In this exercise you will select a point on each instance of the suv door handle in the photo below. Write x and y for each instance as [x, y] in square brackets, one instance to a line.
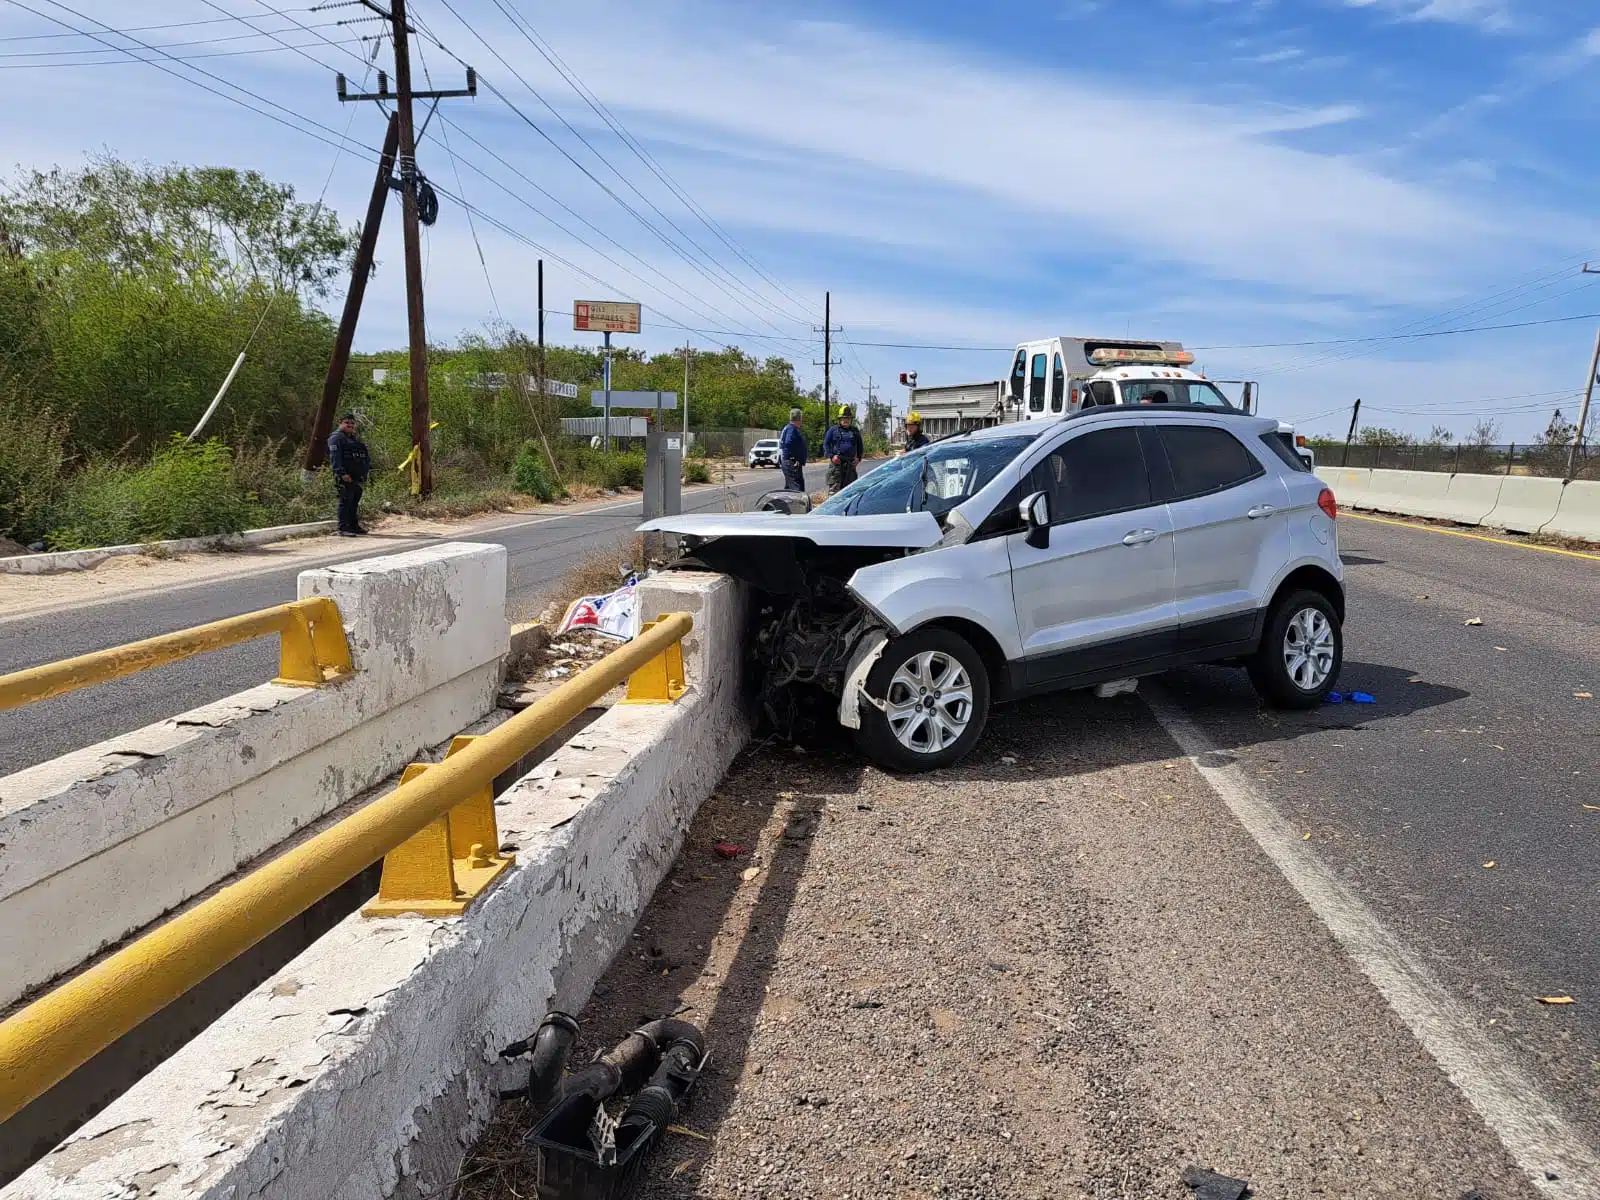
[1261, 510]
[1139, 537]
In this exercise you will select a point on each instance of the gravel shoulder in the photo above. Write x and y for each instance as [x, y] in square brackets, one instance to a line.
[1058, 970]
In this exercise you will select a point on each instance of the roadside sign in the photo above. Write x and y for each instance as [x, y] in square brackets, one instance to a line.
[634, 399]
[605, 316]
[554, 387]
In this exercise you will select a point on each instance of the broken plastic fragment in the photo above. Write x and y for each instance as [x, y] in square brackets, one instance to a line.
[1333, 698]
[728, 849]
[1555, 999]
[1473, 621]
[1362, 698]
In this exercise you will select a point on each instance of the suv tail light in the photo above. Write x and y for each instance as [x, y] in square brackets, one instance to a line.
[1328, 504]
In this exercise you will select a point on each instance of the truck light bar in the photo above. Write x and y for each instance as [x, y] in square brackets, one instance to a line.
[1106, 355]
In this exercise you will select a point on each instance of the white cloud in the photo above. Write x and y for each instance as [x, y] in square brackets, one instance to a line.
[1112, 167]
[1492, 16]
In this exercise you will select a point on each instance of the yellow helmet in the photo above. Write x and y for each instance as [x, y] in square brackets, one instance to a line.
[913, 417]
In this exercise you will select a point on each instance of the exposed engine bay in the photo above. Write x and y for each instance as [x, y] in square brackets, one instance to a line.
[807, 623]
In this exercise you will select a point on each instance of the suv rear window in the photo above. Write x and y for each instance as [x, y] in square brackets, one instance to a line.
[1205, 459]
[1282, 444]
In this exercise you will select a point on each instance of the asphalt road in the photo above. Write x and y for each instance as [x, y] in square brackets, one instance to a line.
[541, 549]
[1476, 752]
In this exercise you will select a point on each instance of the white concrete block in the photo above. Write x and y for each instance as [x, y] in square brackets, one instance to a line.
[98, 843]
[362, 1069]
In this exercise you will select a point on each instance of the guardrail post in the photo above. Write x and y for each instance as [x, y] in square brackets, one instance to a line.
[440, 870]
[661, 680]
[312, 648]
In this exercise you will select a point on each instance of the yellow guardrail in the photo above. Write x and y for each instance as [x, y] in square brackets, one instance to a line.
[312, 650]
[42, 1044]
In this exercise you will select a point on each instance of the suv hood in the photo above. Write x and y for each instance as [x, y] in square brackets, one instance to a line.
[910, 531]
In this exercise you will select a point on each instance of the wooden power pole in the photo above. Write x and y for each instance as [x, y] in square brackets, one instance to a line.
[828, 360]
[419, 205]
[333, 383]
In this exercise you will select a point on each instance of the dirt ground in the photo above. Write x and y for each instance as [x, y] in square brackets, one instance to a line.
[1058, 970]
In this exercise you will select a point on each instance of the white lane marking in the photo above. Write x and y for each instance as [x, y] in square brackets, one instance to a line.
[1531, 1128]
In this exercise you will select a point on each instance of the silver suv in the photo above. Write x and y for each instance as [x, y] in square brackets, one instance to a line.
[1026, 558]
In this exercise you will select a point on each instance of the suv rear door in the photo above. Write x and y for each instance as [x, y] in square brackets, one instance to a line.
[1229, 527]
[1100, 595]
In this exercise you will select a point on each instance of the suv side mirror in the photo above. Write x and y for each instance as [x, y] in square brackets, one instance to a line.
[1035, 514]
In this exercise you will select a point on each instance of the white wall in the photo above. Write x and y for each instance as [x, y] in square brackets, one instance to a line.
[100, 842]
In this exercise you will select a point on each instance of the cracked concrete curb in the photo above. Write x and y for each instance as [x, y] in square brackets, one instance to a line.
[85, 560]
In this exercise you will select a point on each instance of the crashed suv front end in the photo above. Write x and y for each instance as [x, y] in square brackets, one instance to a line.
[832, 586]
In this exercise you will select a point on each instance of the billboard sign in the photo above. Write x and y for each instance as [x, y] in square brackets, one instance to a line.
[605, 316]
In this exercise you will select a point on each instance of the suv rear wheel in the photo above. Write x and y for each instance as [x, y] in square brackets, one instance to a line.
[1301, 652]
[935, 693]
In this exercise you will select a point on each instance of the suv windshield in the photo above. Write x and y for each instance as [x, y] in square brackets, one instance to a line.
[1176, 391]
[934, 480]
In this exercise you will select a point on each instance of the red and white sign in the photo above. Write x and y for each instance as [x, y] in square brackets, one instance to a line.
[605, 316]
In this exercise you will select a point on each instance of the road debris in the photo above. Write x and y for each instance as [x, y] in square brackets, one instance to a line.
[1555, 999]
[1489, 866]
[728, 849]
[1362, 698]
[1473, 621]
[1583, 695]
[1208, 1185]
[750, 873]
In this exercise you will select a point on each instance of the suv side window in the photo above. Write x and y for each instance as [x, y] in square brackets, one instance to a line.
[1098, 473]
[1205, 459]
[1036, 385]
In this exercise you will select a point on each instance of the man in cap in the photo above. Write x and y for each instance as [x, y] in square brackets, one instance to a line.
[347, 456]
[792, 453]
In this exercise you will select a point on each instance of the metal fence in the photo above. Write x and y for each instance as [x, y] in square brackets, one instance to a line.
[1510, 459]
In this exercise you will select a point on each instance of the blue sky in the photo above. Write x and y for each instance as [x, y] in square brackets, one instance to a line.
[1224, 172]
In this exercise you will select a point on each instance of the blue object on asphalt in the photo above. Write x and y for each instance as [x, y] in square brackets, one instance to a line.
[1362, 698]
[1333, 698]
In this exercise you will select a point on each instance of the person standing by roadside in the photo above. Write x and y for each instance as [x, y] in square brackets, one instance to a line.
[915, 438]
[347, 455]
[843, 449]
[792, 453]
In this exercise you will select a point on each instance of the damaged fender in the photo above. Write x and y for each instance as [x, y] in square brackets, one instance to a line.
[867, 652]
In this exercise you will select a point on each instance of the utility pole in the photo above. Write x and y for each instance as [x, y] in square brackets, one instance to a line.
[828, 360]
[869, 414]
[686, 352]
[1355, 413]
[333, 381]
[541, 329]
[419, 205]
[1583, 412]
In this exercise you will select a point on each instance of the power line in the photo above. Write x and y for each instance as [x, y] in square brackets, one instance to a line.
[615, 124]
[1398, 337]
[211, 41]
[110, 62]
[595, 179]
[33, 37]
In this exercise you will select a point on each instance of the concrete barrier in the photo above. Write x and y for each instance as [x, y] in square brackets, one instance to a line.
[1525, 505]
[1410, 493]
[98, 843]
[1578, 514]
[1471, 498]
[365, 1067]
[83, 560]
[1350, 484]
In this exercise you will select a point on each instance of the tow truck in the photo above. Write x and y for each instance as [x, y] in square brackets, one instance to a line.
[1054, 377]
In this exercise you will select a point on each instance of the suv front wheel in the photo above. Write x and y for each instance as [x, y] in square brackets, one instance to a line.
[935, 694]
[1301, 652]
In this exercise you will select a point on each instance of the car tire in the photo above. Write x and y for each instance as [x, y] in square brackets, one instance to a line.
[897, 740]
[1301, 652]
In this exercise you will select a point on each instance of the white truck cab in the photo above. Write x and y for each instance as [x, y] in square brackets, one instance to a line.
[1055, 377]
